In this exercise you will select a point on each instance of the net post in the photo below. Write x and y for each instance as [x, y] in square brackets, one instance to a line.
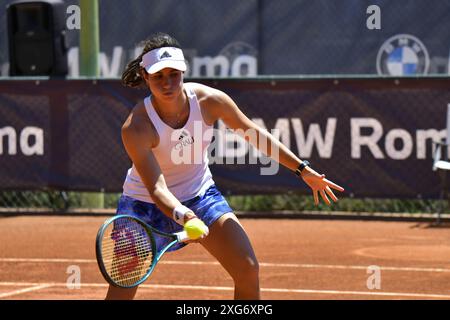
[89, 65]
[89, 38]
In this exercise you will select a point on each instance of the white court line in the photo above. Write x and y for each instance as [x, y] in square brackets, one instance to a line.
[33, 288]
[37, 286]
[204, 263]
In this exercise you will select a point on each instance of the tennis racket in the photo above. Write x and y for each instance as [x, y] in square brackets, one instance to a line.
[126, 250]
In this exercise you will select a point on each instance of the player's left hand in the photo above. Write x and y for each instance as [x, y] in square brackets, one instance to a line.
[319, 184]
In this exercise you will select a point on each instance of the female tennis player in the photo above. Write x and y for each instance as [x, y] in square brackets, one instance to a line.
[172, 124]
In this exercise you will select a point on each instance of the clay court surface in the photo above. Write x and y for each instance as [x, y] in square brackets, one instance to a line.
[299, 260]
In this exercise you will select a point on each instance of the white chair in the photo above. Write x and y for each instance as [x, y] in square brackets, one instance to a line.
[441, 162]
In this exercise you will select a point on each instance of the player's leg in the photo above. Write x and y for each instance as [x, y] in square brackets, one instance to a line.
[115, 293]
[230, 245]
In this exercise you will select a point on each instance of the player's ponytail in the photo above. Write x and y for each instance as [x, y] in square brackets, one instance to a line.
[132, 75]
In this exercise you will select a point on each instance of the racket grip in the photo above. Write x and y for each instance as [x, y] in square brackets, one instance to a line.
[182, 236]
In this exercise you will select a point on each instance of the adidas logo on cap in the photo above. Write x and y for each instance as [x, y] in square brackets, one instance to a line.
[165, 55]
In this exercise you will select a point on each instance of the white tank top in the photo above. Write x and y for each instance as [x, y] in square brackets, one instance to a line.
[182, 155]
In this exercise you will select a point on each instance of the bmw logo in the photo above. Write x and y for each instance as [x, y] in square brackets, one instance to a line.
[403, 55]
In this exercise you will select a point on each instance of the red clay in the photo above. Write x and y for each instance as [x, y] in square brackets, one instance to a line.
[300, 259]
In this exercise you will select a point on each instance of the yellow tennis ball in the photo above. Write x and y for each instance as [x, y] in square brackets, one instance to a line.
[195, 228]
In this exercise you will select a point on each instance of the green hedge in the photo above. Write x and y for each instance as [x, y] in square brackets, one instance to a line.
[57, 200]
[306, 203]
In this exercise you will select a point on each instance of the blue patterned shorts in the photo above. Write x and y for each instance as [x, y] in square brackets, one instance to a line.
[208, 207]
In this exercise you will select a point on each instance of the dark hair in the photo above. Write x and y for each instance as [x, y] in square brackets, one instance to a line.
[131, 76]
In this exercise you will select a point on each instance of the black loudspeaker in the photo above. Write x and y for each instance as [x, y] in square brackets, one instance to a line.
[37, 38]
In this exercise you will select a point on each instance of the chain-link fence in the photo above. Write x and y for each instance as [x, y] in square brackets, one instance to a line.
[228, 38]
[370, 134]
[29, 202]
[56, 201]
[263, 37]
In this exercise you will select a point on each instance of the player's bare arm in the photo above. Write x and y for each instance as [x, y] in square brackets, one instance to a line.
[218, 105]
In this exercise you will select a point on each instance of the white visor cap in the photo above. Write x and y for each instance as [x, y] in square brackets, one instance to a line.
[165, 57]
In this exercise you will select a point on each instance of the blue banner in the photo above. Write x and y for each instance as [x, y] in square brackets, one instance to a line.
[372, 136]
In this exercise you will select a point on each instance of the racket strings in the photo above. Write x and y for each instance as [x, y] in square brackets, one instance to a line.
[127, 251]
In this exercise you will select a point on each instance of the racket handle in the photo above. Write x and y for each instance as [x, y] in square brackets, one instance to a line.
[182, 236]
